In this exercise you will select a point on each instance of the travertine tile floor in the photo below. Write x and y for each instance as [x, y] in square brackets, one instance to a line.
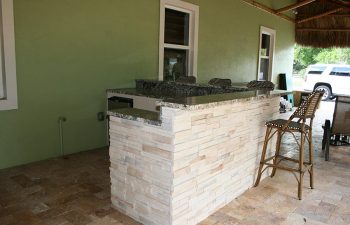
[76, 191]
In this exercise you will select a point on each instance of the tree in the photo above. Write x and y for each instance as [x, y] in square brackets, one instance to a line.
[334, 56]
[305, 56]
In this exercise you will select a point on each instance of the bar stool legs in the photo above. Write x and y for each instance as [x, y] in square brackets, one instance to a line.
[278, 147]
[311, 160]
[266, 141]
[305, 114]
[302, 166]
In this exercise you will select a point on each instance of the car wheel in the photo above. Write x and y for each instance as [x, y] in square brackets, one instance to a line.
[327, 92]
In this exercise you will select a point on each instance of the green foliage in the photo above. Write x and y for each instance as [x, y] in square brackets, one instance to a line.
[304, 56]
[334, 56]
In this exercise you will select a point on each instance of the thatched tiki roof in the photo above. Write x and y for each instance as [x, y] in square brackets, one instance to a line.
[323, 23]
[318, 23]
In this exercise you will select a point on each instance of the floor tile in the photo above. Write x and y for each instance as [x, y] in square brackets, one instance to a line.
[77, 191]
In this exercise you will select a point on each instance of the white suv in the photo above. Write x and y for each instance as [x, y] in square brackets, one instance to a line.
[333, 79]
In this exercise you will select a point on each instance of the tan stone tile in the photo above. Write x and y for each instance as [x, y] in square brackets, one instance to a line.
[92, 188]
[25, 218]
[294, 219]
[157, 152]
[23, 180]
[123, 219]
[60, 184]
[76, 218]
[39, 208]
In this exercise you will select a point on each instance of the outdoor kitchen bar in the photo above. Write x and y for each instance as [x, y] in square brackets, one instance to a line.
[196, 154]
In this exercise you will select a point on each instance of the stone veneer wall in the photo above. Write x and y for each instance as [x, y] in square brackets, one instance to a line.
[141, 170]
[193, 164]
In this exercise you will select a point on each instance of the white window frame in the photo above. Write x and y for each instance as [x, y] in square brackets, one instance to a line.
[8, 57]
[193, 11]
[272, 34]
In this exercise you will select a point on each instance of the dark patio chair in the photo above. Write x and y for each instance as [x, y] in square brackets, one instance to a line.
[337, 133]
[304, 115]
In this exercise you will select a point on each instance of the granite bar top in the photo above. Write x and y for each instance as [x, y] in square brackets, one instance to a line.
[186, 97]
[171, 90]
[200, 102]
[136, 115]
[209, 101]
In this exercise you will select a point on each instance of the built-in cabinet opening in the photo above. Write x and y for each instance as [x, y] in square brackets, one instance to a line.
[266, 53]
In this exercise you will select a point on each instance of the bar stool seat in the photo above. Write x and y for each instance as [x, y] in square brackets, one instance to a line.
[279, 123]
[305, 113]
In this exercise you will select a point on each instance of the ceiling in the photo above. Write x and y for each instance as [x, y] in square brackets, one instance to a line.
[318, 23]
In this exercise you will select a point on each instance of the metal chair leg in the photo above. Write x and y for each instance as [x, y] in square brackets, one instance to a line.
[324, 137]
[311, 160]
[278, 147]
[268, 130]
[301, 165]
[300, 186]
[327, 129]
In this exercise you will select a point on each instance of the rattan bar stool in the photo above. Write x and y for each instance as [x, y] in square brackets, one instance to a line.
[305, 114]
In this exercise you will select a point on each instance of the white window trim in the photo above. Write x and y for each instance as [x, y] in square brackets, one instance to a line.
[272, 33]
[193, 10]
[8, 35]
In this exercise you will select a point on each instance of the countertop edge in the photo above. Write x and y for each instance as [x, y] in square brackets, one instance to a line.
[186, 106]
[154, 118]
[138, 115]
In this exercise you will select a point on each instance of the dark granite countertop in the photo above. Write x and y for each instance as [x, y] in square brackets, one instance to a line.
[202, 102]
[137, 115]
[193, 102]
[164, 94]
[189, 97]
[171, 90]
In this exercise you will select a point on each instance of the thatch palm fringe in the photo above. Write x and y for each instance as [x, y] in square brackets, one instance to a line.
[327, 31]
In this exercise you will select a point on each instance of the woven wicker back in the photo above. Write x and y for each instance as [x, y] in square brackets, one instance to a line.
[341, 116]
[308, 107]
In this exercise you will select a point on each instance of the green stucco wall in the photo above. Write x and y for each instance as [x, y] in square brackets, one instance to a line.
[69, 51]
[229, 40]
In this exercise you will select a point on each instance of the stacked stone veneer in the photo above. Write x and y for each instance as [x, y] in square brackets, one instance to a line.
[196, 162]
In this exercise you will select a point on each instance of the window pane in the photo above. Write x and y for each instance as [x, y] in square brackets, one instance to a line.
[2, 73]
[175, 64]
[265, 45]
[2, 80]
[264, 69]
[341, 71]
[176, 27]
[2, 93]
[315, 72]
[316, 69]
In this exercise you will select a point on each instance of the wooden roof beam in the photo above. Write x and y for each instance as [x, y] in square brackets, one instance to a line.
[268, 9]
[325, 29]
[341, 2]
[304, 16]
[294, 6]
[319, 15]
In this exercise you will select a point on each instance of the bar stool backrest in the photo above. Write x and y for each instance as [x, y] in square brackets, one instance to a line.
[341, 116]
[308, 107]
